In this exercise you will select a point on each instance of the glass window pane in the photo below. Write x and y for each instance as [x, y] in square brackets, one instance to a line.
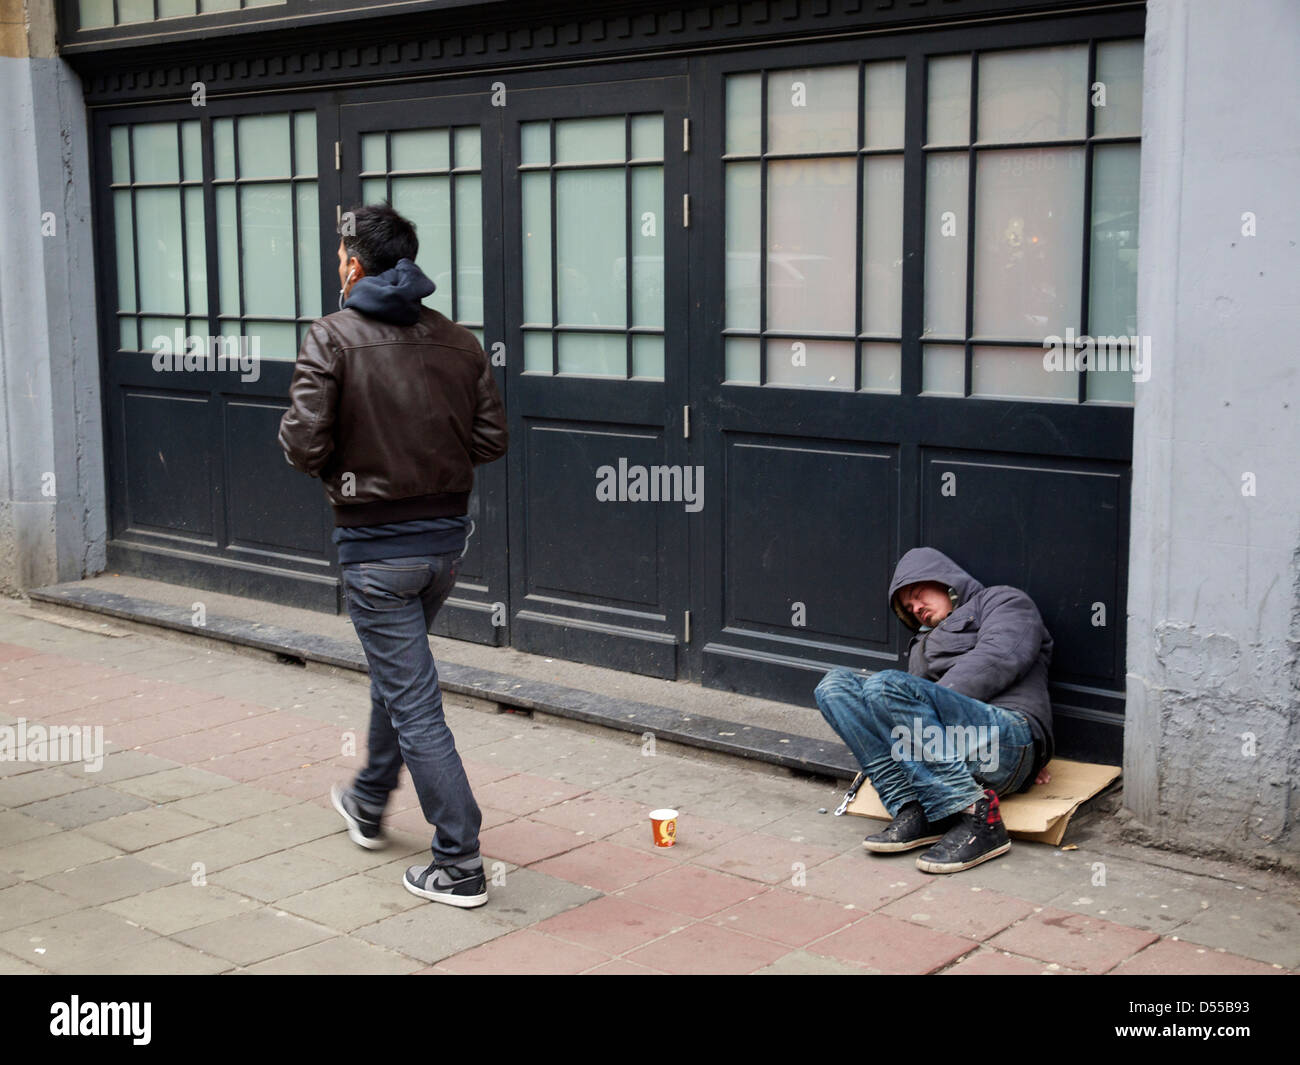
[648, 356]
[469, 248]
[124, 245]
[744, 231]
[154, 151]
[1028, 243]
[223, 147]
[195, 253]
[160, 334]
[744, 114]
[882, 368]
[192, 149]
[160, 261]
[120, 141]
[266, 243]
[947, 108]
[943, 370]
[309, 250]
[590, 140]
[1112, 262]
[94, 14]
[647, 136]
[420, 149]
[227, 250]
[591, 247]
[594, 354]
[426, 202]
[810, 363]
[742, 360]
[304, 143]
[1033, 94]
[1119, 69]
[128, 334]
[1113, 368]
[811, 275]
[535, 143]
[175, 8]
[647, 246]
[134, 11]
[883, 104]
[812, 110]
[1019, 373]
[537, 352]
[271, 340]
[263, 146]
[946, 190]
[468, 150]
[374, 190]
[374, 153]
[537, 247]
[882, 244]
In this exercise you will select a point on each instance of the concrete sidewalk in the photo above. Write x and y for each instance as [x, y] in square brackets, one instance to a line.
[206, 843]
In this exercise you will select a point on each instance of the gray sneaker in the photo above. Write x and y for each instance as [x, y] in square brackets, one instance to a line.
[451, 884]
[363, 829]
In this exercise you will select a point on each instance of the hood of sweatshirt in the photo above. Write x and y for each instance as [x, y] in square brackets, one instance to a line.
[393, 296]
[927, 564]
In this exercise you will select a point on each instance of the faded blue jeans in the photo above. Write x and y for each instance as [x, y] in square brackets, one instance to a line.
[392, 604]
[918, 740]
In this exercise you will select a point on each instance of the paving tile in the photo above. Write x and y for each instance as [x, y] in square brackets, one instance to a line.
[84, 806]
[171, 909]
[1172, 957]
[987, 962]
[596, 815]
[256, 763]
[692, 891]
[695, 836]
[801, 963]
[787, 917]
[15, 827]
[616, 967]
[32, 859]
[523, 793]
[708, 949]
[253, 936]
[1072, 940]
[612, 925]
[433, 931]
[106, 881]
[232, 804]
[351, 902]
[526, 896]
[158, 957]
[292, 825]
[32, 787]
[840, 834]
[123, 765]
[766, 858]
[145, 828]
[11, 966]
[25, 903]
[67, 941]
[523, 841]
[173, 784]
[864, 880]
[340, 851]
[142, 732]
[603, 866]
[276, 875]
[305, 783]
[960, 908]
[337, 957]
[892, 946]
[481, 773]
[524, 952]
[1248, 923]
[206, 852]
[1031, 871]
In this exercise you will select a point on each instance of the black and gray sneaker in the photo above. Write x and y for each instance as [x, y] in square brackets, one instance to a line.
[909, 829]
[451, 884]
[364, 828]
[975, 838]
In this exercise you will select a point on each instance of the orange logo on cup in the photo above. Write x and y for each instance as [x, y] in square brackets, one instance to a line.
[663, 825]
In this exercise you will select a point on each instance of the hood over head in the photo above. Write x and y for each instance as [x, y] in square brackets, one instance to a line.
[927, 564]
[394, 295]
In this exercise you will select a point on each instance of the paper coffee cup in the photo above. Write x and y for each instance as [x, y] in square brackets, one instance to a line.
[663, 823]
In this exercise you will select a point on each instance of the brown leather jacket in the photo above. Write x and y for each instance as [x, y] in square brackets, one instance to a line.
[392, 418]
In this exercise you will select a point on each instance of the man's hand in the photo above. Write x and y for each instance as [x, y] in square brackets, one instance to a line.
[1044, 777]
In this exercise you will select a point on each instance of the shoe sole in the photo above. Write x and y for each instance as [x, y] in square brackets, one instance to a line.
[354, 833]
[957, 867]
[465, 902]
[894, 848]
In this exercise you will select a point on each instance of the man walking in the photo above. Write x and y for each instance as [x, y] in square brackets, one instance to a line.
[392, 405]
[977, 675]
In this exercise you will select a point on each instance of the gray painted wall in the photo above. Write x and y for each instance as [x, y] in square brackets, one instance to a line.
[1214, 587]
[50, 420]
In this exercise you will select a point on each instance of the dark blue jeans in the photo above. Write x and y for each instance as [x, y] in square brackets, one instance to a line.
[392, 605]
[918, 740]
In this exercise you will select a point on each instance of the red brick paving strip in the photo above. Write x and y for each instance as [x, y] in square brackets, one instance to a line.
[1073, 940]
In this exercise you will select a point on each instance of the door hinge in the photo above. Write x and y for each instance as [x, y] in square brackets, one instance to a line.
[338, 155]
[686, 422]
[686, 210]
[338, 217]
[686, 134]
[687, 619]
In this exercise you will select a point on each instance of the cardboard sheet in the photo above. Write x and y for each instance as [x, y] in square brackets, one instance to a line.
[1040, 814]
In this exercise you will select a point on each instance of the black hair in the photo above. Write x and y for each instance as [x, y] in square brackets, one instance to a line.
[380, 237]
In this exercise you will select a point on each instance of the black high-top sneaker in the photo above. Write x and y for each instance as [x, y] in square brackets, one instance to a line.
[453, 884]
[975, 838]
[364, 829]
[908, 830]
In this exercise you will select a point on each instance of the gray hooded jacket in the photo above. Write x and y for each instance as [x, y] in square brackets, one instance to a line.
[993, 647]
